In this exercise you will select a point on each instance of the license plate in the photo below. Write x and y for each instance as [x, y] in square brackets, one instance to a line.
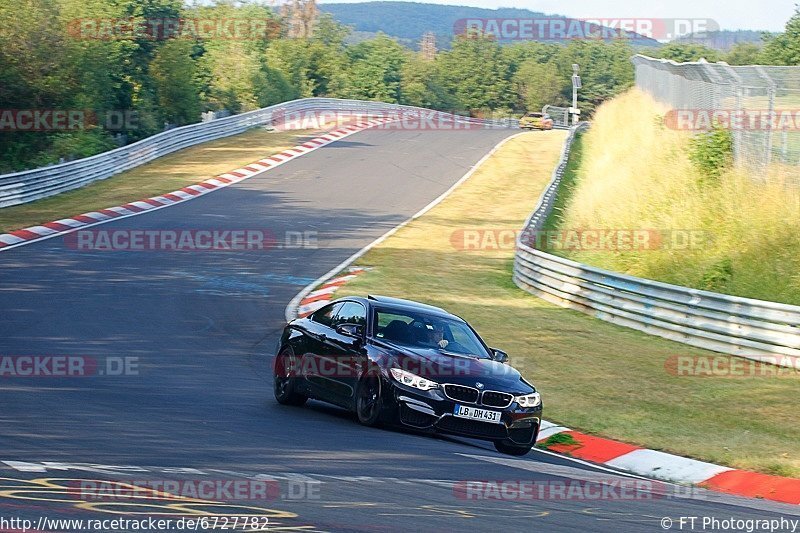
[474, 413]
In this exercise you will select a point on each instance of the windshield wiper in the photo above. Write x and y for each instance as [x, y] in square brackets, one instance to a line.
[465, 355]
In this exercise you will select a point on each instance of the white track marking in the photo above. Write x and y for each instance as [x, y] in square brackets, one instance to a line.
[291, 309]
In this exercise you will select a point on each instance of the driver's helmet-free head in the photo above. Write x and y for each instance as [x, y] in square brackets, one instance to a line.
[435, 334]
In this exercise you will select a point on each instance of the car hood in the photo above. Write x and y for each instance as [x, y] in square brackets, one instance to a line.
[468, 371]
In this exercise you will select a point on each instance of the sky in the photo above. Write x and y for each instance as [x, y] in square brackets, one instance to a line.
[769, 15]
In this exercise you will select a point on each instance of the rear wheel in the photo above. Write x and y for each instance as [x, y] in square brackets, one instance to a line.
[507, 448]
[285, 380]
[368, 400]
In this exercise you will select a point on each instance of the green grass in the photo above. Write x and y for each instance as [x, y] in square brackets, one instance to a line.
[161, 176]
[559, 438]
[567, 186]
[594, 376]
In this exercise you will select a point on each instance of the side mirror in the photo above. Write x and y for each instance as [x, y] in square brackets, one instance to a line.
[353, 331]
[499, 355]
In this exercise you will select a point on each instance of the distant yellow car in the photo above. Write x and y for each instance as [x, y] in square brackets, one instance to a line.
[536, 121]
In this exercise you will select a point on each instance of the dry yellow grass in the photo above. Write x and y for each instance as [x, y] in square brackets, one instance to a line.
[636, 174]
[594, 376]
[161, 176]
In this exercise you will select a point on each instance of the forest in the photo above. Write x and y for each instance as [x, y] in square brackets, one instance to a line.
[138, 67]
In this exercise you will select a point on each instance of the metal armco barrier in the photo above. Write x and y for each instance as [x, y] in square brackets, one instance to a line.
[29, 185]
[745, 327]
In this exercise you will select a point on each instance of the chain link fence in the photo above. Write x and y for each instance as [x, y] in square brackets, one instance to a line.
[560, 115]
[759, 104]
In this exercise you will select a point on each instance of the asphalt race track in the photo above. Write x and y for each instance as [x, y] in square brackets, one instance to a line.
[198, 403]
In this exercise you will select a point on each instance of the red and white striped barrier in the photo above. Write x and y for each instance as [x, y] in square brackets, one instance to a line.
[665, 466]
[324, 294]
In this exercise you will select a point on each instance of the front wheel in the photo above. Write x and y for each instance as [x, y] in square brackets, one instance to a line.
[511, 449]
[368, 401]
[284, 379]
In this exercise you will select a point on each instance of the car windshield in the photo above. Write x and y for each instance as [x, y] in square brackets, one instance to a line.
[419, 329]
[533, 115]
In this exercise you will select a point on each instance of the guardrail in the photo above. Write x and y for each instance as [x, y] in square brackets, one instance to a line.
[745, 327]
[29, 185]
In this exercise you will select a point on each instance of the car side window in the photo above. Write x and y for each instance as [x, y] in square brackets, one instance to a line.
[325, 315]
[351, 313]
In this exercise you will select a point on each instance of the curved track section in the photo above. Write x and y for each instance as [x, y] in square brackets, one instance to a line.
[198, 405]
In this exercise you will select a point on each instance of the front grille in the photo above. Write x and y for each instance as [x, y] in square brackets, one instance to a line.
[496, 399]
[461, 393]
[414, 418]
[472, 427]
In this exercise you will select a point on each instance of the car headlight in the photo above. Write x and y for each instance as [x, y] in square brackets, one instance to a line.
[529, 400]
[413, 380]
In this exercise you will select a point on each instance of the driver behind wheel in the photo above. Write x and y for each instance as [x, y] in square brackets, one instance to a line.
[435, 335]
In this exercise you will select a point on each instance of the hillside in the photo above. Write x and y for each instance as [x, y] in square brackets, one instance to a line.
[409, 21]
[723, 40]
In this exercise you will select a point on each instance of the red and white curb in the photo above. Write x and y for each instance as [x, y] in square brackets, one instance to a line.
[31, 234]
[627, 457]
[668, 467]
[619, 455]
[324, 294]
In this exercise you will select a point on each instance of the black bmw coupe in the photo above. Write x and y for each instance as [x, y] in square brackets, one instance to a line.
[401, 362]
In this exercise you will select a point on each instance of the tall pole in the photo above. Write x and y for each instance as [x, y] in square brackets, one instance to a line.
[576, 84]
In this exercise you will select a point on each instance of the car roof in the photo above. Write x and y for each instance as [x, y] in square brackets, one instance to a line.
[400, 304]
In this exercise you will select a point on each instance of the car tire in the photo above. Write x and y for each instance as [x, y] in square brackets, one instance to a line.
[507, 448]
[284, 382]
[369, 401]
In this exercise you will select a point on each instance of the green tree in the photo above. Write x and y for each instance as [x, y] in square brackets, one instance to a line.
[519, 52]
[537, 84]
[686, 52]
[234, 73]
[331, 33]
[175, 78]
[421, 85]
[273, 88]
[292, 59]
[477, 73]
[784, 48]
[376, 66]
[712, 152]
[605, 70]
[743, 54]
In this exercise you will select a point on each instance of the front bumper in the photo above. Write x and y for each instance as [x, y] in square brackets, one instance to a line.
[433, 410]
